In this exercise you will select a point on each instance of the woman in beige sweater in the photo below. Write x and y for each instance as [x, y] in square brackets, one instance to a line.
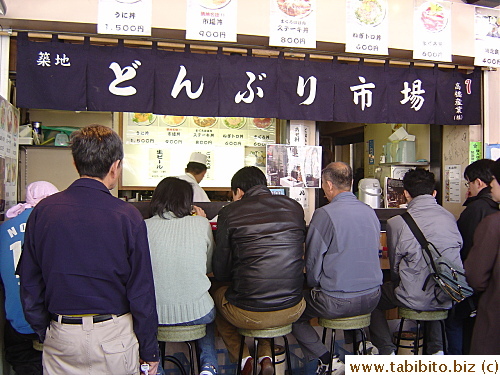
[181, 246]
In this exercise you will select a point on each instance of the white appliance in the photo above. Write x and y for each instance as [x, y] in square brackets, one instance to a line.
[370, 192]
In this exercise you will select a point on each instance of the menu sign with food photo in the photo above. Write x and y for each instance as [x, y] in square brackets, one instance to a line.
[432, 30]
[367, 27]
[157, 146]
[211, 20]
[125, 17]
[293, 23]
[487, 30]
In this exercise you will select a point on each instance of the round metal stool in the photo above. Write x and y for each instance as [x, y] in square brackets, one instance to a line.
[186, 334]
[421, 317]
[346, 324]
[267, 333]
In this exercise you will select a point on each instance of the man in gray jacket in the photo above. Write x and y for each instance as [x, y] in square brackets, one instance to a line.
[342, 264]
[409, 270]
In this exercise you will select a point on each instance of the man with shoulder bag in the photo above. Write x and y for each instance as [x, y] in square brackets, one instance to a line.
[413, 284]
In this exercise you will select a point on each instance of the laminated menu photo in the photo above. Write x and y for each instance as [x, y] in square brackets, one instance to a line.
[394, 196]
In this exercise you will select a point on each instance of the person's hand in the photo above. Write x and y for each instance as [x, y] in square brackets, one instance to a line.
[153, 367]
[199, 211]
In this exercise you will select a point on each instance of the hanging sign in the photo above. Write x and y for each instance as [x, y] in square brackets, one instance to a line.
[293, 23]
[99, 78]
[124, 17]
[367, 27]
[487, 30]
[211, 20]
[432, 30]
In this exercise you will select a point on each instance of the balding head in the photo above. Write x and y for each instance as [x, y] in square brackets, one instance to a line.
[339, 174]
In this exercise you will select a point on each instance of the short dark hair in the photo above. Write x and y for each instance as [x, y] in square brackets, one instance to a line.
[95, 148]
[495, 169]
[195, 168]
[246, 178]
[172, 194]
[419, 182]
[339, 174]
[480, 169]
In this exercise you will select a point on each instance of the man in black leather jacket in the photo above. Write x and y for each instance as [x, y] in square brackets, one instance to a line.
[259, 249]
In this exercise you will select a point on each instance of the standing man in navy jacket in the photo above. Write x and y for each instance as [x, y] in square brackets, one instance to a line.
[86, 280]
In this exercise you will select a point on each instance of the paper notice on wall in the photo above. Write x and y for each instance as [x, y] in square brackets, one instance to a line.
[367, 27]
[452, 178]
[124, 17]
[211, 20]
[432, 30]
[299, 194]
[487, 43]
[293, 23]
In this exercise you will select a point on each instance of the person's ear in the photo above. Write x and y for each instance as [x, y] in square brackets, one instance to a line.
[434, 193]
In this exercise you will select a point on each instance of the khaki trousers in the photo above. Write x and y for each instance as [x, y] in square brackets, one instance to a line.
[229, 318]
[106, 348]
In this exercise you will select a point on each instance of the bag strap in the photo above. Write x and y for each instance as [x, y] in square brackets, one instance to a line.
[420, 238]
[415, 229]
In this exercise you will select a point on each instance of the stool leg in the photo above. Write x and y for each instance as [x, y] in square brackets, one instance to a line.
[400, 333]
[354, 341]
[363, 338]
[191, 357]
[256, 358]
[323, 339]
[443, 334]
[415, 342]
[240, 357]
[197, 356]
[332, 347]
[287, 355]
[273, 355]
[161, 344]
[175, 361]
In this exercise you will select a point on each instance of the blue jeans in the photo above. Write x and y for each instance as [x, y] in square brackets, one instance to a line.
[205, 345]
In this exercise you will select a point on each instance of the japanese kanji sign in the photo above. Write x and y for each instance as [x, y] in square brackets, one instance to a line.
[125, 17]
[56, 75]
[432, 30]
[293, 23]
[211, 20]
[367, 27]
[487, 30]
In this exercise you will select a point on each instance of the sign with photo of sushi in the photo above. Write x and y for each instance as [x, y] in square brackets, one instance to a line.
[367, 27]
[211, 20]
[487, 30]
[432, 30]
[293, 23]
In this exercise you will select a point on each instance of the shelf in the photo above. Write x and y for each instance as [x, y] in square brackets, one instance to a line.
[416, 163]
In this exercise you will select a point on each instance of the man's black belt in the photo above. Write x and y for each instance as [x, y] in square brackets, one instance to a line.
[79, 320]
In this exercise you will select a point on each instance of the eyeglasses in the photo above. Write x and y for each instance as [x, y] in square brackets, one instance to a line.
[467, 183]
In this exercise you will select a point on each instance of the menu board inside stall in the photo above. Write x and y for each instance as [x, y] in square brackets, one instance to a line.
[158, 146]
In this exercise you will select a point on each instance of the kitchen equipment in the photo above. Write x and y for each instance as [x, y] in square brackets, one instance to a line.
[370, 192]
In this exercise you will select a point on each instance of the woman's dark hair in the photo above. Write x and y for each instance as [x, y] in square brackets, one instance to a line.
[419, 182]
[248, 177]
[172, 194]
[95, 148]
[480, 169]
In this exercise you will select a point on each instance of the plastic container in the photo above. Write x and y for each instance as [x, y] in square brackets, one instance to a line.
[406, 152]
[370, 192]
